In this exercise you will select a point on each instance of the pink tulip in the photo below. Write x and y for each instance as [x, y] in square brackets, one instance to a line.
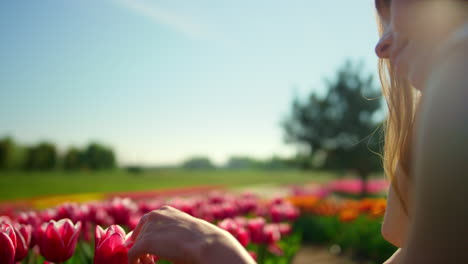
[7, 244]
[112, 245]
[34, 220]
[241, 221]
[285, 229]
[247, 204]
[276, 249]
[237, 231]
[5, 220]
[283, 212]
[49, 214]
[255, 227]
[23, 239]
[243, 236]
[57, 240]
[183, 204]
[72, 211]
[121, 210]
[253, 255]
[271, 234]
[148, 206]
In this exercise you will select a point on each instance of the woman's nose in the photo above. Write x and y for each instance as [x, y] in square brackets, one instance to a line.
[382, 49]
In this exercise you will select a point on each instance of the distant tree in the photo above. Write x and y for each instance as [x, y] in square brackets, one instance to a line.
[239, 162]
[339, 126]
[73, 159]
[277, 163]
[7, 147]
[198, 163]
[41, 157]
[98, 157]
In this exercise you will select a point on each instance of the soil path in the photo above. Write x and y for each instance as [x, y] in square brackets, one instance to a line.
[318, 255]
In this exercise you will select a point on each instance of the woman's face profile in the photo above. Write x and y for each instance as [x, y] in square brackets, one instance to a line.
[413, 29]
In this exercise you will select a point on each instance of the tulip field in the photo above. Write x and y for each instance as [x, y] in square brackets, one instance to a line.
[271, 228]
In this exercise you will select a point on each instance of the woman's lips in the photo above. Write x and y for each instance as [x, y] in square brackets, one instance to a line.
[394, 53]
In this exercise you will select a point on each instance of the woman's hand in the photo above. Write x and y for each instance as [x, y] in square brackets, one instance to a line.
[178, 237]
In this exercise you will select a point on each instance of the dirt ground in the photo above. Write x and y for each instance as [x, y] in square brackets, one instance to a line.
[318, 255]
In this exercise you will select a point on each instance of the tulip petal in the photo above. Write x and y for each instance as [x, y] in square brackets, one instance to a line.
[113, 242]
[8, 230]
[66, 229]
[71, 244]
[99, 234]
[51, 245]
[7, 249]
[21, 242]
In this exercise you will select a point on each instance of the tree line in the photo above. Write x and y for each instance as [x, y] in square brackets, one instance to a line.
[44, 156]
[238, 163]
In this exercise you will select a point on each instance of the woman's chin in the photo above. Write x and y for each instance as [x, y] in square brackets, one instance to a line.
[412, 74]
[418, 78]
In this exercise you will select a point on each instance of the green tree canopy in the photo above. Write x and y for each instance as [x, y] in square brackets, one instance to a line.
[340, 125]
[97, 157]
[41, 157]
[198, 163]
[73, 159]
[7, 149]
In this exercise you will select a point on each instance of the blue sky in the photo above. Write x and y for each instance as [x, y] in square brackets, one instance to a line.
[163, 80]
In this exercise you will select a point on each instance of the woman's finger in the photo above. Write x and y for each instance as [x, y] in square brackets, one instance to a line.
[138, 250]
[146, 259]
[139, 226]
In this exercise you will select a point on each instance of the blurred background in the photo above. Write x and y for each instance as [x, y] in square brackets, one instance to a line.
[137, 96]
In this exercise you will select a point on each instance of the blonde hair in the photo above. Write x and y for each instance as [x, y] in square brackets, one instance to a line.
[402, 101]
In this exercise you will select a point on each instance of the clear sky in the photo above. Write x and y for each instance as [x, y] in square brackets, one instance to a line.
[162, 80]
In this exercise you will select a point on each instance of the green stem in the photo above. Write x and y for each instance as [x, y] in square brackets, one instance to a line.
[261, 254]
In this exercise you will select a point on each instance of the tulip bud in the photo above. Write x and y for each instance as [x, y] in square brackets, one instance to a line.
[112, 245]
[7, 244]
[57, 240]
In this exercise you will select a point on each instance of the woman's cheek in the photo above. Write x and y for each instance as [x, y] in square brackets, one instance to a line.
[399, 15]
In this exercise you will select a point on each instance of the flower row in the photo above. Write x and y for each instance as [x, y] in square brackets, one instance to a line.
[53, 234]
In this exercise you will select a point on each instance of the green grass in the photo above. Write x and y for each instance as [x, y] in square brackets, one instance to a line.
[17, 185]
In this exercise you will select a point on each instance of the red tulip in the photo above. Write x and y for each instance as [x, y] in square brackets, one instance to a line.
[23, 239]
[57, 240]
[112, 245]
[7, 244]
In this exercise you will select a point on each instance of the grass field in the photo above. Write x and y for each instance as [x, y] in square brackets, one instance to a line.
[17, 185]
